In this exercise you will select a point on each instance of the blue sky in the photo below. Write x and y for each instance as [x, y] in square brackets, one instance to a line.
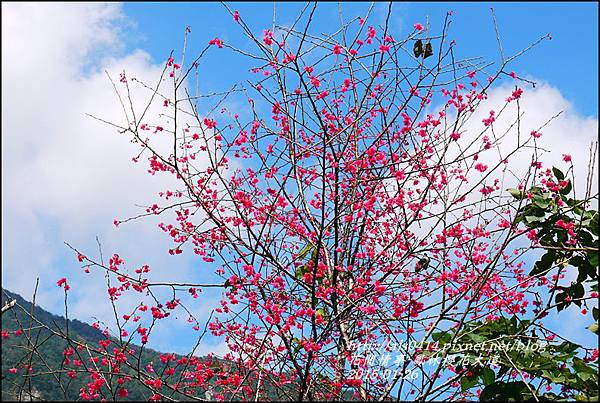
[569, 61]
[65, 177]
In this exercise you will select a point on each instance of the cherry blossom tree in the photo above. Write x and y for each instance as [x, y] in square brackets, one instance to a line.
[372, 234]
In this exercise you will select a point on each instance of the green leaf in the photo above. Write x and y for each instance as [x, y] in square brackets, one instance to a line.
[578, 290]
[422, 264]
[503, 391]
[585, 238]
[544, 263]
[516, 193]
[582, 367]
[560, 301]
[576, 261]
[467, 382]
[304, 251]
[477, 338]
[488, 376]
[594, 224]
[300, 270]
[566, 347]
[323, 312]
[443, 337]
[541, 202]
[567, 189]
[589, 213]
[593, 328]
[533, 218]
[558, 173]
[593, 258]
[418, 48]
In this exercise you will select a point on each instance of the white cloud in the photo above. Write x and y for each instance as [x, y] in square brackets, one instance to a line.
[66, 176]
[569, 133]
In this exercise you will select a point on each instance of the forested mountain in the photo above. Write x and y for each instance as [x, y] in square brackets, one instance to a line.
[15, 353]
[46, 386]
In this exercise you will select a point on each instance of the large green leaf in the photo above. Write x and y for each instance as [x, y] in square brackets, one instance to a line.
[503, 392]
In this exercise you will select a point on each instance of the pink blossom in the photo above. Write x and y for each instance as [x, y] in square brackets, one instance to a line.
[268, 37]
[383, 48]
[481, 167]
[217, 42]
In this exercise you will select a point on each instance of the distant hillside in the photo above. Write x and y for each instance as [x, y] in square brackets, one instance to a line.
[46, 387]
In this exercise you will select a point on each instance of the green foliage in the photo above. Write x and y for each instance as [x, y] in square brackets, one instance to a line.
[515, 347]
[505, 391]
[301, 270]
[568, 231]
[547, 214]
